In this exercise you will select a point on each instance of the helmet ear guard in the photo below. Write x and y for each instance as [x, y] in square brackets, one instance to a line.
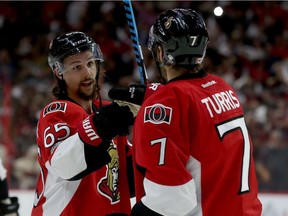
[183, 36]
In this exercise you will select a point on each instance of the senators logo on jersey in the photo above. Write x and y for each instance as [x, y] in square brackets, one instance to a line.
[55, 107]
[158, 114]
[108, 186]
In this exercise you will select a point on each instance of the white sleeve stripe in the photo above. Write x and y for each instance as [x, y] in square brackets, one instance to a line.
[69, 158]
[170, 200]
[3, 171]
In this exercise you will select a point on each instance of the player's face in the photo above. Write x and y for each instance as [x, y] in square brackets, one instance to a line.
[79, 75]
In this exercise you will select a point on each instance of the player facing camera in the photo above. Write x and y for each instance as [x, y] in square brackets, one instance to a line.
[74, 44]
[77, 136]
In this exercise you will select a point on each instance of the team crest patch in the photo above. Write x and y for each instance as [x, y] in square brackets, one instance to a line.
[158, 114]
[108, 186]
[55, 107]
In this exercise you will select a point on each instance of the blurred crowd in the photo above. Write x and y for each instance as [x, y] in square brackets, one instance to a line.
[248, 47]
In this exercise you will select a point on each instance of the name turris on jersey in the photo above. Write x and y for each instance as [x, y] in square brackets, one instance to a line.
[221, 102]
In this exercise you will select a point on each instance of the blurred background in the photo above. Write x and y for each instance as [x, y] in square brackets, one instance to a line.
[248, 47]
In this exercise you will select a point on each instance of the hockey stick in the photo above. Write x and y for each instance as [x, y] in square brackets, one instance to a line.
[125, 205]
[135, 40]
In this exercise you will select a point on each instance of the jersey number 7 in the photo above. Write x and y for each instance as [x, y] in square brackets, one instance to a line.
[223, 129]
[229, 127]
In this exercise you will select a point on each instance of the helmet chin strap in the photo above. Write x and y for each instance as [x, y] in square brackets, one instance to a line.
[97, 83]
[158, 65]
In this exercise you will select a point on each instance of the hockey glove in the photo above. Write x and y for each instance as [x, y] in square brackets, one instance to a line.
[106, 123]
[113, 120]
[139, 209]
[110, 121]
[11, 209]
[134, 93]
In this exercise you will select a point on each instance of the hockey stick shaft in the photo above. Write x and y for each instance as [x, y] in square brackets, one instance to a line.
[135, 40]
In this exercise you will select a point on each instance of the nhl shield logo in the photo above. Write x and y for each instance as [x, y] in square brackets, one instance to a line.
[158, 114]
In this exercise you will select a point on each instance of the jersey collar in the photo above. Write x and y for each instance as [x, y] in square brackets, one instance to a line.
[94, 107]
[199, 74]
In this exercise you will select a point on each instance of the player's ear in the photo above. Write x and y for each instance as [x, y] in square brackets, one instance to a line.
[56, 73]
[160, 54]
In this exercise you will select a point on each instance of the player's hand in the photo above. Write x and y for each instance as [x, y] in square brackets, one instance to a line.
[112, 120]
[134, 93]
[9, 209]
[105, 124]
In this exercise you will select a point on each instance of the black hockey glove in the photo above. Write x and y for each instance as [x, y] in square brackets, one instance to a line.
[133, 93]
[9, 208]
[112, 120]
[105, 124]
[139, 209]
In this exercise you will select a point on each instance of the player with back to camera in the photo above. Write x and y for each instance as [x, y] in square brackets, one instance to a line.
[192, 150]
[77, 151]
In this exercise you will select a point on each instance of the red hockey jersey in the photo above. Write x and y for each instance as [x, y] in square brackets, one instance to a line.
[194, 152]
[61, 156]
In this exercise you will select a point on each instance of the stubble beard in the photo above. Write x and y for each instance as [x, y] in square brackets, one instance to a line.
[91, 95]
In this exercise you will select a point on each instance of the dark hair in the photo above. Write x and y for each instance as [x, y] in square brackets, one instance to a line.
[59, 91]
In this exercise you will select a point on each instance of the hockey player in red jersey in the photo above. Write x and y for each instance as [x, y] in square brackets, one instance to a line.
[192, 150]
[75, 136]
